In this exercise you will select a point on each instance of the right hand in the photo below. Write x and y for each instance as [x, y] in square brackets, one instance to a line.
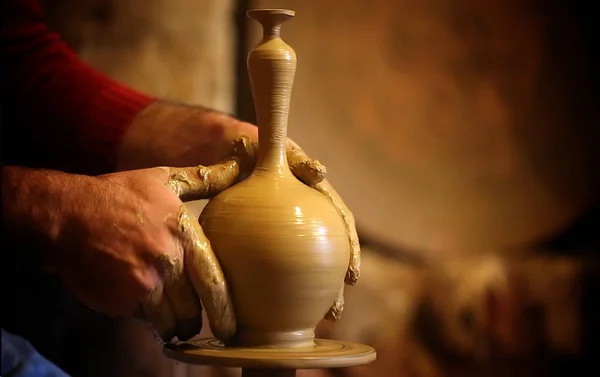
[127, 241]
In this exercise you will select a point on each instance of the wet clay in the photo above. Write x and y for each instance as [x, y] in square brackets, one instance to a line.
[284, 248]
[312, 173]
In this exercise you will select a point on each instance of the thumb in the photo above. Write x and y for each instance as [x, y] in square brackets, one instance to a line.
[309, 171]
[202, 182]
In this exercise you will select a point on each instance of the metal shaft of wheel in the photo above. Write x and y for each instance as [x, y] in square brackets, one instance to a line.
[252, 372]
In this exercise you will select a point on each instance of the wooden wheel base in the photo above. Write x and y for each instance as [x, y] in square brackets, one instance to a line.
[325, 353]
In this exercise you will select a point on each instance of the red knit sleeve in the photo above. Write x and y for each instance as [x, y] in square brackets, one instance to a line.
[58, 112]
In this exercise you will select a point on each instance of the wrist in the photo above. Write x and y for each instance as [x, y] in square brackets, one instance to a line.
[34, 206]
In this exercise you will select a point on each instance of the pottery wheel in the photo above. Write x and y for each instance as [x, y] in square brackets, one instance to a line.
[325, 353]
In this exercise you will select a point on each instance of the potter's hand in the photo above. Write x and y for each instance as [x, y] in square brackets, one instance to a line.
[312, 173]
[126, 241]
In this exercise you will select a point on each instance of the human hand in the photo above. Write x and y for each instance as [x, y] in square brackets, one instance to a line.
[128, 241]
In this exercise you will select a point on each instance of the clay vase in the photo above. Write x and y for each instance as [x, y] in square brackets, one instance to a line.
[282, 245]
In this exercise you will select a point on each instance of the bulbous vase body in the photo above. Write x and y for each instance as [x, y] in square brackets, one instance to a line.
[284, 251]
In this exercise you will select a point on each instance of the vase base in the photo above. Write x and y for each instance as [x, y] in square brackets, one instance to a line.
[260, 339]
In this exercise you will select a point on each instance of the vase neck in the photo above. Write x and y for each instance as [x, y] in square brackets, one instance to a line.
[272, 137]
[272, 67]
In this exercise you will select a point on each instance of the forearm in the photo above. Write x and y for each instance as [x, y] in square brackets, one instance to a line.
[170, 134]
[58, 112]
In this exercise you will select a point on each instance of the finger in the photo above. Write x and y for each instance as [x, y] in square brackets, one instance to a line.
[158, 312]
[206, 277]
[178, 289]
[202, 182]
[335, 312]
[304, 168]
[186, 307]
[353, 272]
[245, 150]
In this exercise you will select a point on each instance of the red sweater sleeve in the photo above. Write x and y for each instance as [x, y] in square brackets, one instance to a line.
[57, 112]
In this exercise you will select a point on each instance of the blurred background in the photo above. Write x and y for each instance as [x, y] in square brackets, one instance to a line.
[464, 136]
